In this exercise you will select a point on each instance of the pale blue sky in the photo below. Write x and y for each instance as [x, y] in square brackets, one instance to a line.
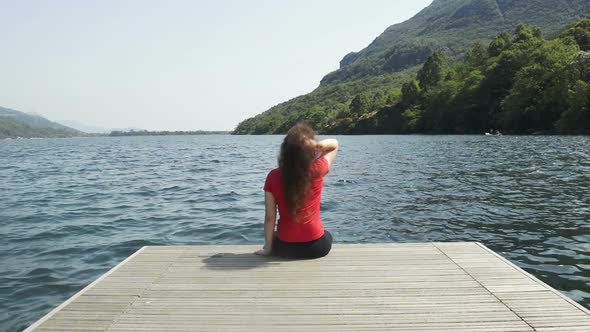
[177, 65]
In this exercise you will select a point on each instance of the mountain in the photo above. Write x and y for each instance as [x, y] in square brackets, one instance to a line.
[18, 124]
[453, 25]
[394, 57]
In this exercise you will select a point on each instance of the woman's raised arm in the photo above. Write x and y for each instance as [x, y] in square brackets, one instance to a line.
[329, 149]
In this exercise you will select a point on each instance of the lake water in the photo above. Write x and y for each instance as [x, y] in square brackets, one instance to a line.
[70, 209]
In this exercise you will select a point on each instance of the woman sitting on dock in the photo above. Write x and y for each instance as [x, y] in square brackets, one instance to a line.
[296, 188]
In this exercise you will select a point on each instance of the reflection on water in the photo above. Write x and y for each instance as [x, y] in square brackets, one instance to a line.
[72, 208]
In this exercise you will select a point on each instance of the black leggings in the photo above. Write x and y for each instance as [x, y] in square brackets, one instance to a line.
[306, 250]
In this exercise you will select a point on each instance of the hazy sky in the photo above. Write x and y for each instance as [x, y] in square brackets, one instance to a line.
[177, 65]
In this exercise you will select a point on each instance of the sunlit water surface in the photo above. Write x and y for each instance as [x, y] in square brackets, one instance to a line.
[70, 209]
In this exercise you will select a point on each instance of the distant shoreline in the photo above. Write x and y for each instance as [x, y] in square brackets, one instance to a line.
[118, 133]
[230, 133]
[121, 134]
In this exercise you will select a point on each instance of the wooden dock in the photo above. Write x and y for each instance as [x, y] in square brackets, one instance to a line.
[368, 287]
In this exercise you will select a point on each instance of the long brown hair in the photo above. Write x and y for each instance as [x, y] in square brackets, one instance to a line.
[295, 162]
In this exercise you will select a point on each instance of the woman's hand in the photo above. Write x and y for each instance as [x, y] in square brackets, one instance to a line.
[263, 252]
[312, 144]
[328, 145]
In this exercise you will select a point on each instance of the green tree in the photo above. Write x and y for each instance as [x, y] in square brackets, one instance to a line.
[580, 33]
[410, 93]
[360, 105]
[393, 97]
[471, 116]
[440, 107]
[523, 33]
[378, 101]
[432, 71]
[477, 56]
[499, 44]
[540, 90]
[411, 120]
[537, 32]
[576, 119]
[580, 67]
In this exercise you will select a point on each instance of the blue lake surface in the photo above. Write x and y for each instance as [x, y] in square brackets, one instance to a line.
[70, 209]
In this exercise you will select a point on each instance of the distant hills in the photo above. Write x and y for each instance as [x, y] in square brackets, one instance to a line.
[15, 124]
[378, 72]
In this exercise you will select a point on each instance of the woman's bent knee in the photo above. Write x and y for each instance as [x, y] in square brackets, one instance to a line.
[324, 245]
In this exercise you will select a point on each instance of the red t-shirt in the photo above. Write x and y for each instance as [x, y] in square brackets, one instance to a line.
[309, 227]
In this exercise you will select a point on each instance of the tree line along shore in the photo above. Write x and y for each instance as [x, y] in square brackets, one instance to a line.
[519, 83]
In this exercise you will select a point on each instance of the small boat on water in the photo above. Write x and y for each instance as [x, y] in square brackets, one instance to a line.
[494, 133]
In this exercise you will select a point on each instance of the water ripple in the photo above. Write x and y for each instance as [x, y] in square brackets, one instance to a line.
[71, 209]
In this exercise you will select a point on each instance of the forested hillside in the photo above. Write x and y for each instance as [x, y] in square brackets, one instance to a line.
[368, 81]
[520, 83]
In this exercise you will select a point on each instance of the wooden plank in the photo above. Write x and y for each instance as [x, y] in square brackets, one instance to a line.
[368, 287]
[538, 304]
[71, 299]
